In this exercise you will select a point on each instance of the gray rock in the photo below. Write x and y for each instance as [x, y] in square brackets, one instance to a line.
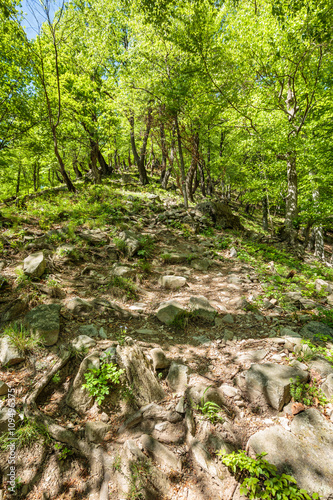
[140, 375]
[316, 328]
[202, 456]
[201, 394]
[229, 390]
[93, 236]
[102, 333]
[218, 442]
[330, 299]
[180, 408]
[96, 431]
[327, 386]
[272, 382]
[287, 332]
[234, 279]
[131, 242]
[88, 330]
[9, 354]
[321, 366]
[306, 452]
[172, 282]
[34, 265]
[160, 360]
[78, 306]
[308, 304]
[78, 397]
[232, 252]
[177, 377]
[66, 250]
[83, 342]
[322, 285]
[168, 312]
[3, 388]
[160, 453]
[201, 264]
[228, 318]
[169, 433]
[122, 271]
[44, 321]
[202, 308]
[14, 310]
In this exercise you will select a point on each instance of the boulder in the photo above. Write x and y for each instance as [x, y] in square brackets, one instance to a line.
[89, 330]
[168, 312]
[122, 271]
[316, 328]
[78, 397]
[272, 381]
[9, 354]
[14, 309]
[94, 236]
[201, 264]
[160, 453]
[201, 394]
[177, 377]
[221, 214]
[44, 321]
[305, 452]
[172, 282]
[324, 286]
[132, 243]
[321, 366]
[139, 374]
[34, 265]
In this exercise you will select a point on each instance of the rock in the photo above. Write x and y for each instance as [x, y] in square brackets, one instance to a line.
[170, 311]
[220, 214]
[5, 414]
[140, 375]
[14, 310]
[177, 377]
[232, 252]
[324, 286]
[78, 306]
[316, 328]
[234, 279]
[252, 356]
[180, 408]
[201, 394]
[327, 387]
[112, 252]
[160, 360]
[96, 431]
[102, 333]
[201, 264]
[218, 442]
[88, 330]
[272, 381]
[83, 342]
[109, 355]
[308, 304]
[66, 250]
[122, 271]
[138, 307]
[9, 354]
[3, 388]
[321, 366]
[34, 265]
[132, 243]
[44, 321]
[94, 236]
[160, 453]
[229, 390]
[169, 433]
[172, 282]
[330, 299]
[287, 332]
[202, 308]
[228, 318]
[78, 397]
[306, 452]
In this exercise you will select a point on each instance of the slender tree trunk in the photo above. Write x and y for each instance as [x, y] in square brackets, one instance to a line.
[140, 160]
[166, 174]
[68, 182]
[181, 159]
[265, 213]
[195, 181]
[78, 173]
[202, 177]
[93, 158]
[307, 231]
[292, 195]
[18, 180]
[193, 167]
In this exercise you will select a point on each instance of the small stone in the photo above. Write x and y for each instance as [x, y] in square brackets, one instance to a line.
[177, 377]
[228, 319]
[202, 308]
[180, 408]
[78, 306]
[96, 431]
[83, 342]
[201, 264]
[327, 386]
[232, 252]
[9, 354]
[34, 265]
[168, 312]
[160, 360]
[322, 285]
[316, 328]
[102, 333]
[229, 390]
[172, 282]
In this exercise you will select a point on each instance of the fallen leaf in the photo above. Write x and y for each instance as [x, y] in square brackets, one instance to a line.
[297, 408]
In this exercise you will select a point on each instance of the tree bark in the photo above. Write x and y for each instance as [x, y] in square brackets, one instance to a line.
[291, 199]
[181, 158]
[265, 213]
[140, 160]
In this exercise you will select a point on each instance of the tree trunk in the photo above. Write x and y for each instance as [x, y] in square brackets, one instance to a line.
[319, 242]
[68, 182]
[78, 173]
[181, 158]
[291, 200]
[193, 168]
[307, 231]
[140, 160]
[202, 177]
[18, 180]
[265, 213]
[93, 158]
[166, 174]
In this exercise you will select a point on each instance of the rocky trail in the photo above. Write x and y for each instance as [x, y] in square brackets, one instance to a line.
[201, 366]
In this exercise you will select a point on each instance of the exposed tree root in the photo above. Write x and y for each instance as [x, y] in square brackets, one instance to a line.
[100, 461]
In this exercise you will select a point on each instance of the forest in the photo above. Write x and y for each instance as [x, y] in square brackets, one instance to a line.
[232, 96]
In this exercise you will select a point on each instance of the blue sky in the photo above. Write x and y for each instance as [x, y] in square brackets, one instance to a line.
[34, 15]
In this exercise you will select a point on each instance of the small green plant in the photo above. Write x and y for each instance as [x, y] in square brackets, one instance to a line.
[23, 340]
[308, 394]
[56, 378]
[117, 463]
[144, 266]
[166, 257]
[147, 247]
[120, 245]
[22, 279]
[209, 409]
[139, 472]
[121, 336]
[259, 478]
[26, 433]
[98, 380]
[125, 284]
[63, 451]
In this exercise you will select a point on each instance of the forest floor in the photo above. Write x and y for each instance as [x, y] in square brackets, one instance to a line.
[243, 276]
